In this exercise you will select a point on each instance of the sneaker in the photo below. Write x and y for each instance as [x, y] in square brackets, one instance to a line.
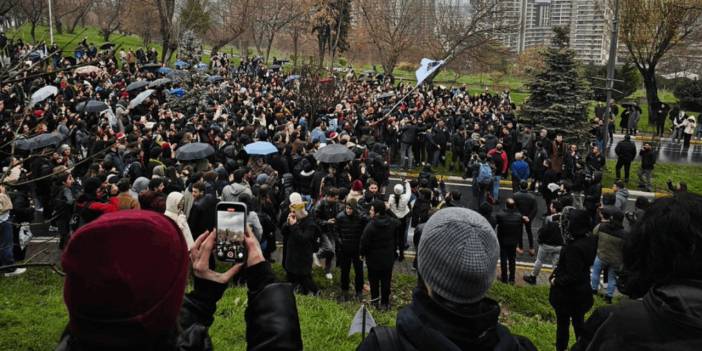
[328, 276]
[529, 279]
[16, 272]
[53, 228]
[315, 260]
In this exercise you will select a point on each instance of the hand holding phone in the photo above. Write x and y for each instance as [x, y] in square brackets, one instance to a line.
[203, 247]
[231, 228]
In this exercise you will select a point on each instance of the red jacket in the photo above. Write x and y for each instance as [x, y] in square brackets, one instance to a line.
[505, 162]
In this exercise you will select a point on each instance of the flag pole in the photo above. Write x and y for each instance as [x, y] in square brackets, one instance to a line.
[363, 324]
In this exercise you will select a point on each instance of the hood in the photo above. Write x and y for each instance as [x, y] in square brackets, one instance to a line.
[678, 303]
[172, 202]
[237, 188]
[140, 184]
[623, 192]
[426, 325]
[383, 221]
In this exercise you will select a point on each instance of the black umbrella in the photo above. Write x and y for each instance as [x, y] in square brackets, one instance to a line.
[39, 141]
[151, 67]
[334, 153]
[107, 46]
[159, 83]
[91, 106]
[194, 151]
[140, 84]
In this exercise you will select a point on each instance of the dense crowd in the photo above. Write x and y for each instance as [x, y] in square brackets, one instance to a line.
[113, 147]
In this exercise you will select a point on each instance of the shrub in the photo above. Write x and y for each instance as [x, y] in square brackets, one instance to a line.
[407, 67]
[690, 95]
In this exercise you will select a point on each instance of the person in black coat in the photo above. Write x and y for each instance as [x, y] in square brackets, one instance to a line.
[570, 293]
[116, 304]
[349, 225]
[528, 207]
[457, 259]
[378, 249]
[202, 215]
[300, 235]
[626, 153]
[509, 234]
[662, 274]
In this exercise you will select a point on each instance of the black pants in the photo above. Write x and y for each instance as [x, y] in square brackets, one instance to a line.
[64, 231]
[564, 316]
[530, 236]
[660, 129]
[507, 253]
[627, 166]
[379, 281]
[345, 263]
[304, 282]
[686, 140]
[400, 240]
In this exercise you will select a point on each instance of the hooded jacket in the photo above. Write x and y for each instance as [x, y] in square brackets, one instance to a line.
[400, 207]
[427, 326]
[378, 242]
[140, 184]
[669, 317]
[178, 216]
[232, 191]
[610, 242]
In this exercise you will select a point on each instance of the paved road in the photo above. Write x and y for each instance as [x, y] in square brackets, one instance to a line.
[668, 152]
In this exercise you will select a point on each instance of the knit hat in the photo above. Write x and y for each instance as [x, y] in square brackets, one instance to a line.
[457, 255]
[125, 278]
[357, 185]
[398, 189]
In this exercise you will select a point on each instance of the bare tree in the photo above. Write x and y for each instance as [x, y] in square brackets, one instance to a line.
[166, 12]
[229, 19]
[110, 14]
[270, 17]
[33, 12]
[66, 8]
[393, 27]
[649, 30]
[81, 11]
[6, 6]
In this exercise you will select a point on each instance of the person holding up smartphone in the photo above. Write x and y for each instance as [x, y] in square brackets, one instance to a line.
[300, 234]
[148, 254]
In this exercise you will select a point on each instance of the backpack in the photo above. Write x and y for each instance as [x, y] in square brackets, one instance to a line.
[484, 174]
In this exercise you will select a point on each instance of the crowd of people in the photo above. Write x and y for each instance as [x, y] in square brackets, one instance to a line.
[106, 176]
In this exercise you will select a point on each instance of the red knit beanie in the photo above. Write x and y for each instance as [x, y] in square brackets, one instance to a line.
[125, 278]
[357, 185]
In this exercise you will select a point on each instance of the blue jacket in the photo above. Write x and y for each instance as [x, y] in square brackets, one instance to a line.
[520, 170]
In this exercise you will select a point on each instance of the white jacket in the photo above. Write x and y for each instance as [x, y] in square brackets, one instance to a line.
[401, 208]
[177, 215]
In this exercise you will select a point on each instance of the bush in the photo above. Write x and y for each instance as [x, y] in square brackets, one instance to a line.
[689, 94]
[407, 67]
[628, 73]
[343, 62]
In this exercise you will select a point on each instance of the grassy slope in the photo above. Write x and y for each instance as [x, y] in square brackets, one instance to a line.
[32, 314]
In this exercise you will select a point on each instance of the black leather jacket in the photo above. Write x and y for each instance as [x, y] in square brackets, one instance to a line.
[271, 318]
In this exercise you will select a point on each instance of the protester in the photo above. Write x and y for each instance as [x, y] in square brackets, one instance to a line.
[610, 236]
[378, 250]
[300, 234]
[398, 204]
[350, 225]
[661, 274]
[174, 211]
[105, 313]
[550, 241]
[528, 207]
[509, 233]
[648, 162]
[626, 153]
[457, 257]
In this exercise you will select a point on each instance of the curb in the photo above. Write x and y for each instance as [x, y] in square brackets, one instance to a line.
[508, 184]
[650, 138]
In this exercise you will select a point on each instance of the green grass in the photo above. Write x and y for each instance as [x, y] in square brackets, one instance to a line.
[661, 173]
[32, 314]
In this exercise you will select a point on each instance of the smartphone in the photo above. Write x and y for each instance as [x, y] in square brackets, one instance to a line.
[231, 224]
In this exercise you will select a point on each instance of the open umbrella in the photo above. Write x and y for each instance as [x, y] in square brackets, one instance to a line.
[140, 98]
[386, 95]
[151, 67]
[87, 69]
[92, 106]
[43, 94]
[107, 46]
[159, 83]
[201, 66]
[291, 78]
[260, 148]
[179, 92]
[194, 151]
[164, 70]
[334, 153]
[139, 84]
[180, 64]
[214, 79]
[39, 141]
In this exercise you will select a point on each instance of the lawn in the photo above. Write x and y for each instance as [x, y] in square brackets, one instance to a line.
[32, 314]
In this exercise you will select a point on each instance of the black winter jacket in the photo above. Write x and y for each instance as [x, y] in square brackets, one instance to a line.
[425, 325]
[299, 243]
[626, 150]
[526, 203]
[509, 227]
[668, 318]
[271, 319]
[550, 232]
[571, 278]
[378, 242]
[350, 229]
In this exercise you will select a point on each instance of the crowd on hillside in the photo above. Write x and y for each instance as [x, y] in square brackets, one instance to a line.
[106, 159]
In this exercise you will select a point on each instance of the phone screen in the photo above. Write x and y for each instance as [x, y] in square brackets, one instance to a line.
[231, 223]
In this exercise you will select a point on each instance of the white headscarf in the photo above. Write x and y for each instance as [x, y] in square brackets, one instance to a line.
[175, 212]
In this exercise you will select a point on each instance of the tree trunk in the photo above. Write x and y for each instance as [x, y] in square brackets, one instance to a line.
[59, 25]
[106, 34]
[296, 39]
[32, 31]
[268, 47]
[651, 85]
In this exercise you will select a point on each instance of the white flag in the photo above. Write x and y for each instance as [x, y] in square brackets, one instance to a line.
[357, 322]
[427, 68]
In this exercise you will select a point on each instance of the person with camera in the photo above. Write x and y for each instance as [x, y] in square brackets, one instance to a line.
[300, 241]
[93, 203]
[648, 162]
[116, 304]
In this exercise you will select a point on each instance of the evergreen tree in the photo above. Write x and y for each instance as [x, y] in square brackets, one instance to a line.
[559, 94]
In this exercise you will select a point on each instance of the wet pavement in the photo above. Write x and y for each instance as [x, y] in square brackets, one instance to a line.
[667, 151]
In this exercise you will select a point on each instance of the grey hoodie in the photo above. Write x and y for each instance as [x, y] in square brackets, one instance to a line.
[140, 184]
[232, 191]
[621, 199]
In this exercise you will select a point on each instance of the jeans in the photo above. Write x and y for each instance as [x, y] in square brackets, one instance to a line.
[406, 155]
[7, 257]
[611, 276]
[379, 281]
[401, 236]
[547, 253]
[508, 253]
[496, 188]
[678, 134]
[645, 178]
[627, 166]
[345, 263]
